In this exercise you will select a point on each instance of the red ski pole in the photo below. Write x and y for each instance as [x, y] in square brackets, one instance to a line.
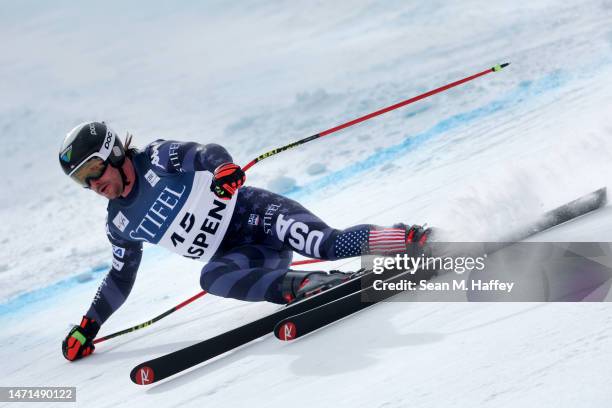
[398, 105]
[177, 307]
[153, 320]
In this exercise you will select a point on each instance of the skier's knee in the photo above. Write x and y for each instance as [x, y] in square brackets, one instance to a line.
[205, 281]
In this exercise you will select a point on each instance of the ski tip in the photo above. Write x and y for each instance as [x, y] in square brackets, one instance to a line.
[603, 194]
[286, 331]
[142, 375]
[499, 67]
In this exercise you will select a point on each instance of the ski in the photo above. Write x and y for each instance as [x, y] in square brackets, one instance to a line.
[162, 367]
[566, 212]
[313, 319]
[167, 365]
[318, 317]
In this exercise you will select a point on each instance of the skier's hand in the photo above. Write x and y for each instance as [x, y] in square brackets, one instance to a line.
[79, 342]
[227, 179]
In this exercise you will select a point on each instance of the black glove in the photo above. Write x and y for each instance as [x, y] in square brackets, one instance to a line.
[79, 342]
[227, 179]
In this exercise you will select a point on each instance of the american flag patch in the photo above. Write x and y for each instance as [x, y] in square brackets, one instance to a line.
[253, 219]
[351, 243]
[387, 241]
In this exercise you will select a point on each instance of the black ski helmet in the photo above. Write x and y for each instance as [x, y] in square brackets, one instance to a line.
[88, 140]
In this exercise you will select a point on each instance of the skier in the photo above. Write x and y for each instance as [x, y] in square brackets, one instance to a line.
[184, 196]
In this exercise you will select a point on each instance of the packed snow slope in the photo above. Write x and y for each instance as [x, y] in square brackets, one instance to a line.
[255, 75]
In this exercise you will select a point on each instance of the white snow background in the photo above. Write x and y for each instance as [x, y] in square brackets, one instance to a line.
[255, 75]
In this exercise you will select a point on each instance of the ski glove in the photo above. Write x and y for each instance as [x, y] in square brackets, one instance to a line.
[228, 178]
[79, 342]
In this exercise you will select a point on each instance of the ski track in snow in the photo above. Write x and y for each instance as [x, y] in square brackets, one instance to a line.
[476, 160]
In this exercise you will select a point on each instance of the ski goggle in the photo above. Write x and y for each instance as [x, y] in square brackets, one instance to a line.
[90, 170]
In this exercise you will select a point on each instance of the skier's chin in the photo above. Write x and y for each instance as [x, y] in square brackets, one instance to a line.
[111, 192]
[112, 196]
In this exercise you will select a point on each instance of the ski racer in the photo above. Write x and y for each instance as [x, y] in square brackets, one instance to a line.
[189, 198]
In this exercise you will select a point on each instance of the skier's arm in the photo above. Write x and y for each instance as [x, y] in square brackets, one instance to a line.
[111, 294]
[182, 157]
[118, 283]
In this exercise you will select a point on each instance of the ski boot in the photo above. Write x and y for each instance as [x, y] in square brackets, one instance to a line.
[298, 285]
[417, 234]
[418, 240]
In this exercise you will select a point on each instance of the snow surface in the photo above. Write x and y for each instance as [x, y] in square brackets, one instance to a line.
[254, 75]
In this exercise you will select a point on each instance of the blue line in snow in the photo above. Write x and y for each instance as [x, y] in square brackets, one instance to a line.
[523, 91]
[48, 291]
